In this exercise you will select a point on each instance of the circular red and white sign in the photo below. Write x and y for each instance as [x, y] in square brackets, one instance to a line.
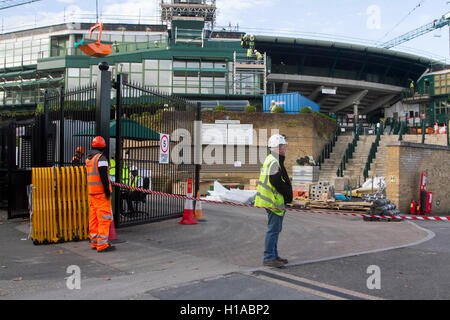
[164, 143]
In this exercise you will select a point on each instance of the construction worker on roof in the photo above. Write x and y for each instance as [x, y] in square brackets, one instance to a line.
[258, 56]
[250, 54]
[244, 41]
[251, 43]
[99, 196]
[77, 159]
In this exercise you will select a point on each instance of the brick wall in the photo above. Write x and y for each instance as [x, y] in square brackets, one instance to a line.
[405, 162]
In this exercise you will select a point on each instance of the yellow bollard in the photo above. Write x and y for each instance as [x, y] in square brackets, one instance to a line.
[40, 218]
[35, 204]
[53, 206]
[85, 201]
[46, 205]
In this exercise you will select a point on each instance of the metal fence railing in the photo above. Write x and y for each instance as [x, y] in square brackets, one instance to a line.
[147, 115]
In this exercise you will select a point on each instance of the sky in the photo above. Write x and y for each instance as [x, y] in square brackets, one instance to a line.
[369, 22]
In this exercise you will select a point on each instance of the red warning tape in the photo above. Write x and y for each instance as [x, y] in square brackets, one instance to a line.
[423, 218]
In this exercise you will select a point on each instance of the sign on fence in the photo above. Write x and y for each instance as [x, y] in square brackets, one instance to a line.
[164, 148]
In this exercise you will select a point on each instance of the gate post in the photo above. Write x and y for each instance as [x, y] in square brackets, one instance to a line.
[61, 127]
[11, 143]
[197, 149]
[118, 178]
[103, 106]
[45, 132]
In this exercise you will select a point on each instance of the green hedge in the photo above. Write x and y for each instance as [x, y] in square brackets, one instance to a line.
[278, 110]
[250, 109]
[220, 108]
[306, 110]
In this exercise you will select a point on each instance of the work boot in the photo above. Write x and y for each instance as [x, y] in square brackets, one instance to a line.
[285, 261]
[107, 249]
[273, 263]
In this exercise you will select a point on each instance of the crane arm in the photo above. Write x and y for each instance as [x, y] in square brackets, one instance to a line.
[436, 24]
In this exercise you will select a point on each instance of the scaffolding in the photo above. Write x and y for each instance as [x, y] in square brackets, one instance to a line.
[205, 9]
[249, 74]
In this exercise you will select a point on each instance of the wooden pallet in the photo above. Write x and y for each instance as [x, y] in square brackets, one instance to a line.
[333, 205]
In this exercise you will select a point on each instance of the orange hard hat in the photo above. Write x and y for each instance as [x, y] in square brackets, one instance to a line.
[79, 150]
[98, 142]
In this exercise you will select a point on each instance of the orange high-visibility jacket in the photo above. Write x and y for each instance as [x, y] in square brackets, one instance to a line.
[95, 185]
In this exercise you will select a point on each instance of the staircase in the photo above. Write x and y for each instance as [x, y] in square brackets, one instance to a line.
[355, 166]
[331, 165]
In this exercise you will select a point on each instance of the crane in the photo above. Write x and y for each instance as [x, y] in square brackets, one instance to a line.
[434, 25]
[5, 4]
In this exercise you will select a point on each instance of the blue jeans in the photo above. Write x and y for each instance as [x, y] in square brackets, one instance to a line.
[274, 226]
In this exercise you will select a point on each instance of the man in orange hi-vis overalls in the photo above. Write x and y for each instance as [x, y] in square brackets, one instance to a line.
[99, 189]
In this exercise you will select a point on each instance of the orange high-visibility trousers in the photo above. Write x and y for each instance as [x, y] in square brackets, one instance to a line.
[100, 217]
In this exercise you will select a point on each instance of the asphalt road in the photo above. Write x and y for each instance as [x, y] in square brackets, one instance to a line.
[221, 259]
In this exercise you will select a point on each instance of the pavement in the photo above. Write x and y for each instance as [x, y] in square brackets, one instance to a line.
[220, 258]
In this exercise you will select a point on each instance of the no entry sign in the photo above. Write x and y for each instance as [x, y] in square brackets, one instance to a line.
[164, 147]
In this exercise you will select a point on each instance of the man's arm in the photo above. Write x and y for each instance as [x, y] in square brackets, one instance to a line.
[103, 170]
[282, 187]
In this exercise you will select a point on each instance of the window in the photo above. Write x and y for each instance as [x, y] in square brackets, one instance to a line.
[136, 67]
[179, 64]
[151, 64]
[165, 78]
[73, 72]
[165, 64]
[151, 78]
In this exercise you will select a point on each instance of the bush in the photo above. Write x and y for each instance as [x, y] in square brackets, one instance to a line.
[250, 109]
[220, 108]
[305, 110]
[278, 110]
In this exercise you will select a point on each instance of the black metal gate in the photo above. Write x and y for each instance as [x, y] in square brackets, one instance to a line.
[145, 115]
[70, 119]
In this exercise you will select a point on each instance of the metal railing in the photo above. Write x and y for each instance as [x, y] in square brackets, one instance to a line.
[328, 148]
[373, 152]
[349, 151]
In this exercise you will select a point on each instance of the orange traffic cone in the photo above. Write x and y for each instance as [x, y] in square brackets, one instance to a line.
[112, 232]
[444, 131]
[188, 213]
[198, 213]
[436, 128]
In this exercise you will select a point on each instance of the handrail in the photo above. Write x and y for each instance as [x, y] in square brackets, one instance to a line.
[373, 152]
[328, 148]
[348, 154]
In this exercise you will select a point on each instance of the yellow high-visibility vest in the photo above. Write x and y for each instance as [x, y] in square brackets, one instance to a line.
[112, 171]
[266, 195]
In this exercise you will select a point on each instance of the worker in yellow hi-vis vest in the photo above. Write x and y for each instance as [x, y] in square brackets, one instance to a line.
[273, 193]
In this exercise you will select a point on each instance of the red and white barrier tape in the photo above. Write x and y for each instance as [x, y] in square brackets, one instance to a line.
[424, 218]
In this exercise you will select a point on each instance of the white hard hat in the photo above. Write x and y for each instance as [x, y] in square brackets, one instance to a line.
[276, 140]
[273, 101]
[133, 168]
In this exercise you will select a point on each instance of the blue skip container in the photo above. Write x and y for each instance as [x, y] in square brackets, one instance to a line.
[291, 102]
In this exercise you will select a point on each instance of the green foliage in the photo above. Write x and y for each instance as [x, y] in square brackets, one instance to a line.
[278, 110]
[250, 109]
[220, 108]
[306, 110]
